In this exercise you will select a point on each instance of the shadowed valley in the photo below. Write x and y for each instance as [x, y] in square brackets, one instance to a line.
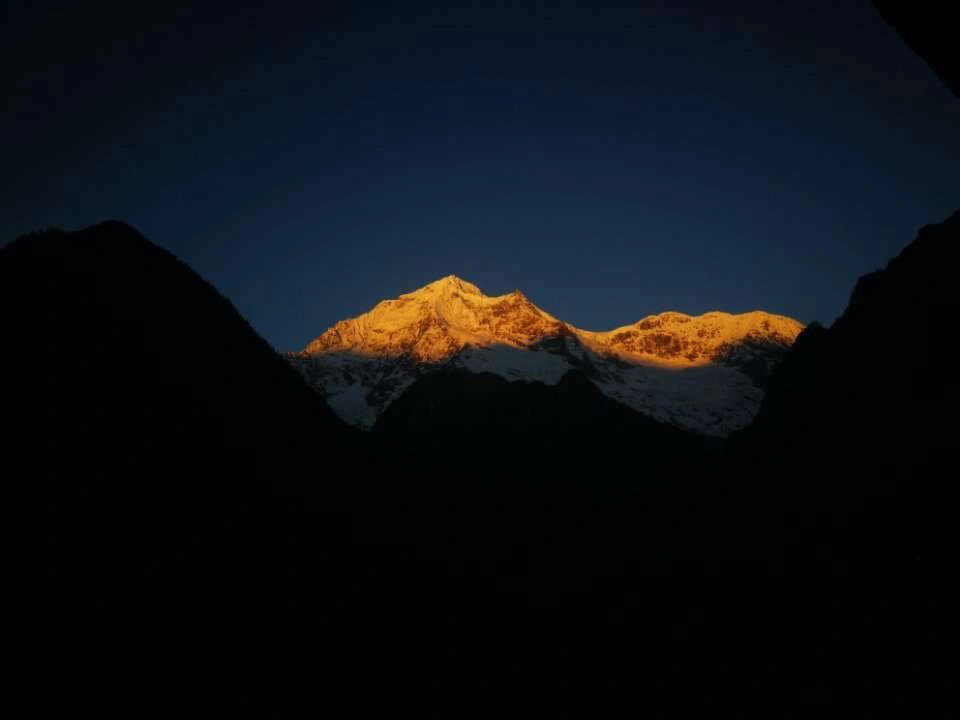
[180, 482]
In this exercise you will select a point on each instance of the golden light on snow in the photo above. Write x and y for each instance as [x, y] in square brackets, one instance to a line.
[672, 366]
[443, 317]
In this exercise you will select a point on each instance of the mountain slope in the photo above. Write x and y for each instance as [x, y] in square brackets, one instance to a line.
[847, 463]
[703, 373]
[145, 464]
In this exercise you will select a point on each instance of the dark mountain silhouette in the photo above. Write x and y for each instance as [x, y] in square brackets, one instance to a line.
[151, 437]
[472, 439]
[926, 30]
[178, 484]
[847, 458]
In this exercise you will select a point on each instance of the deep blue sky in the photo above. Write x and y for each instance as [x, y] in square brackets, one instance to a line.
[609, 163]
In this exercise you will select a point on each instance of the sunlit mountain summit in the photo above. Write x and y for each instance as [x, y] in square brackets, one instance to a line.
[703, 373]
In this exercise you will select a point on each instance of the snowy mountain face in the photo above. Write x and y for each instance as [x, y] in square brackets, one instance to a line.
[702, 373]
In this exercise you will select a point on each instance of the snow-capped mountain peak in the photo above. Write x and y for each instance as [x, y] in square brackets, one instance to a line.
[436, 320]
[450, 283]
[363, 363]
[681, 340]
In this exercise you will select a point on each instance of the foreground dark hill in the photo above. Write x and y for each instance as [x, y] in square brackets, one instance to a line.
[848, 462]
[180, 483]
[926, 31]
[151, 433]
[859, 419]
[567, 447]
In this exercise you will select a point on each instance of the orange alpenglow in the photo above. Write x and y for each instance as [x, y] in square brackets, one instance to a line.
[703, 373]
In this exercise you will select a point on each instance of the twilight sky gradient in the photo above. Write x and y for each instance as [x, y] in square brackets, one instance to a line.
[610, 163]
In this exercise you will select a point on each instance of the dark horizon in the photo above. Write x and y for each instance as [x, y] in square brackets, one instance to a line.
[609, 164]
